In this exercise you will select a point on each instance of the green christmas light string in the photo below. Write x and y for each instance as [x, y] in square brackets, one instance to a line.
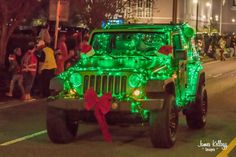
[134, 54]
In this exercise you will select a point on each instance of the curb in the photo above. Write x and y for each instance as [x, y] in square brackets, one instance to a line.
[213, 60]
[15, 103]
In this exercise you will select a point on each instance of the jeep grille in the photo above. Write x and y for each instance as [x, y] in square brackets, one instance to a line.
[105, 83]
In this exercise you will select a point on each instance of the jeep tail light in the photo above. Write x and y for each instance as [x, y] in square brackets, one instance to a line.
[166, 49]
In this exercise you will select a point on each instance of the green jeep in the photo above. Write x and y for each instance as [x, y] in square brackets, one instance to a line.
[152, 72]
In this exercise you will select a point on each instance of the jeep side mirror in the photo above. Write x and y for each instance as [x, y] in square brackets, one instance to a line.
[180, 54]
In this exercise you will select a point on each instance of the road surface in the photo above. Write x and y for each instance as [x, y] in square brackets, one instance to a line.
[23, 134]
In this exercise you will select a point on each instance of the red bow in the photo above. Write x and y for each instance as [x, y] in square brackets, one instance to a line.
[85, 48]
[101, 108]
[166, 49]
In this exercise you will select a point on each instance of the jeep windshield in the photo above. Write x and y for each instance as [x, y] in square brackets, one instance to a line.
[128, 43]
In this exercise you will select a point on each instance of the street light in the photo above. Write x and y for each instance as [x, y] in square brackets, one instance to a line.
[208, 5]
[174, 11]
[222, 2]
[203, 17]
[217, 17]
[196, 2]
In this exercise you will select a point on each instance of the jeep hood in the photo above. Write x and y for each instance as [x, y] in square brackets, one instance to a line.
[134, 62]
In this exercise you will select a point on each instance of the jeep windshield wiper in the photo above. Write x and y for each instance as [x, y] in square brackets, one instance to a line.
[111, 55]
[144, 56]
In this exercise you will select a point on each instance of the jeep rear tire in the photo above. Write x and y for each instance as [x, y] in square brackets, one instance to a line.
[196, 118]
[61, 125]
[164, 124]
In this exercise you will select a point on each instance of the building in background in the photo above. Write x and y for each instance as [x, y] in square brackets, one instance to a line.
[151, 11]
[203, 15]
[228, 13]
[198, 13]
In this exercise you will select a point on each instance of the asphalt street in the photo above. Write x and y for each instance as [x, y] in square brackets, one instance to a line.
[23, 134]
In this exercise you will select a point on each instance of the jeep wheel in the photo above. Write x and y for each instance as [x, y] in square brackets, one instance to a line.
[196, 118]
[164, 124]
[61, 125]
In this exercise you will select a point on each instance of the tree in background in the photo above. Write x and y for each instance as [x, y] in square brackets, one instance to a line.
[12, 13]
[93, 12]
[90, 13]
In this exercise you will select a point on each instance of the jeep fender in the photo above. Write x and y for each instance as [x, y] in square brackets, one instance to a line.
[161, 86]
[56, 84]
[170, 86]
[201, 79]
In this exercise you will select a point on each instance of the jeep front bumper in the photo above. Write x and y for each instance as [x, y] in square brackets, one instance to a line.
[78, 104]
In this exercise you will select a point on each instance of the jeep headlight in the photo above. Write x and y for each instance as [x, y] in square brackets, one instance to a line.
[136, 92]
[76, 80]
[135, 80]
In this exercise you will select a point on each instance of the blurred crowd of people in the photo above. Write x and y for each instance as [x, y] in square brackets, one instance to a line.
[34, 69]
[215, 46]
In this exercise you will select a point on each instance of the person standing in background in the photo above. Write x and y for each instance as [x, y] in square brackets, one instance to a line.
[48, 66]
[84, 45]
[199, 47]
[85, 48]
[78, 40]
[44, 34]
[63, 54]
[234, 43]
[72, 59]
[15, 69]
[29, 68]
[222, 46]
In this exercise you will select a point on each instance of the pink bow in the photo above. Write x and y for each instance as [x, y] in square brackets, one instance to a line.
[101, 108]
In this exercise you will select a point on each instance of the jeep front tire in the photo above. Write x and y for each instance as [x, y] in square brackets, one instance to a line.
[62, 125]
[196, 117]
[164, 124]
